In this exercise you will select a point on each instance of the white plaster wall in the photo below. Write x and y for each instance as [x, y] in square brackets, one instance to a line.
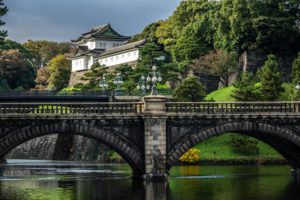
[78, 64]
[90, 62]
[120, 58]
[91, 45]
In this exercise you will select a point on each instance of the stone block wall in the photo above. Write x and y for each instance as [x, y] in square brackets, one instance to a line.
[75, 78]
[61, 147]
[252, 60]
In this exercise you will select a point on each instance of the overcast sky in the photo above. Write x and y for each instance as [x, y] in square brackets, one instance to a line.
[63, 20]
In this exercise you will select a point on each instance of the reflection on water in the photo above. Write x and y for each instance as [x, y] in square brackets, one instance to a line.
[22, 180]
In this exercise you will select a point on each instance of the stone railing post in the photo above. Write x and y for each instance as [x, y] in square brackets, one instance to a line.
[296, 107]
[155, 138]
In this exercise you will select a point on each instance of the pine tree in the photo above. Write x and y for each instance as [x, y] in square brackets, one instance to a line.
[269, 76]
[3, 11]
[190, 90]
[295, 93]
[245, 88]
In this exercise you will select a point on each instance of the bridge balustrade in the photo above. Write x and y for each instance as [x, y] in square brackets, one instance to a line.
[232, 107]
[71, 108]
[138, 107]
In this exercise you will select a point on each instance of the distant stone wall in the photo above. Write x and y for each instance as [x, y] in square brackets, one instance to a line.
[88, 149]
[61, 147]
[252, 60]
[75, 78]
[41, 148]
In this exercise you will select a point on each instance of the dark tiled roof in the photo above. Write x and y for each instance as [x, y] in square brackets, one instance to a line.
[83, 50]
[97, 51]
[123, 48]
[98, 32]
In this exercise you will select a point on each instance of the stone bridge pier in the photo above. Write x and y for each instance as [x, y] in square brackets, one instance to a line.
[155, 138]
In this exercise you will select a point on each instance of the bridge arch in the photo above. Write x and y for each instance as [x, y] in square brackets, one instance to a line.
[110, 137]
[282, 139]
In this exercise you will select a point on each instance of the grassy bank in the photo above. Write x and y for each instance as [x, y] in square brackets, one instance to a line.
[219, 149]
[224, 94]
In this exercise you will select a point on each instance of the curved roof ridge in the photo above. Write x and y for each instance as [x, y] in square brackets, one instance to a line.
[96, 31]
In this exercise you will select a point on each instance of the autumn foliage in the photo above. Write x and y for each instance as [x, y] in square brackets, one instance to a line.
[191, 156]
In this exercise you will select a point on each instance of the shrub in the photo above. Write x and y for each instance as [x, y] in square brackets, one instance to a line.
[191, 156]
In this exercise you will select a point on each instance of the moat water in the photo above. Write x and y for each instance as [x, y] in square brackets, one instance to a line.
[43, 180]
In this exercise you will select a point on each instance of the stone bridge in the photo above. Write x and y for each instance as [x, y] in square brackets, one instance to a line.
[151, 135]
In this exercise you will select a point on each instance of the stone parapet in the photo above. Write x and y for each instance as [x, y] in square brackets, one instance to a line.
[155, 104]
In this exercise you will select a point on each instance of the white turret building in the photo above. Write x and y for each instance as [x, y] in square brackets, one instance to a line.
[104, 45]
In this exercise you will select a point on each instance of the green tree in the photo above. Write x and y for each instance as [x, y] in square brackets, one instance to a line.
[59, 69]
[295, 93]
[269, 75]
[222, 26]
[220, 64]
[127, 73]
[189, 46]
[148, 33]
[9, 45]
[92, 77]
[245, 88]
[275, 25]
[149, 55]
[170, 72]
[3, 11]
[244, 144]
[190, 90]
[15, 70]
[43, 51]
[234, 26]
[296, 70]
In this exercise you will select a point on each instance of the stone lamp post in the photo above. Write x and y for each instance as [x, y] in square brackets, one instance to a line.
[118, 81]
[143, 86]
[155, 130]
[154, 77]
[103, 83]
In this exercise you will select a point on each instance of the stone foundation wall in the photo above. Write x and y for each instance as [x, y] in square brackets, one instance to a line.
[75, 78]
[61, 147]
[252, 60]
[41, 148]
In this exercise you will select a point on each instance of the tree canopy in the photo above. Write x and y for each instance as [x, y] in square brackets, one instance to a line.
[15, 70]
[270, 78]
[43, 51]
[59, 69]
[197, 26]
[190, 90]
[245, 88]
[220, 64]
[3, 11]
